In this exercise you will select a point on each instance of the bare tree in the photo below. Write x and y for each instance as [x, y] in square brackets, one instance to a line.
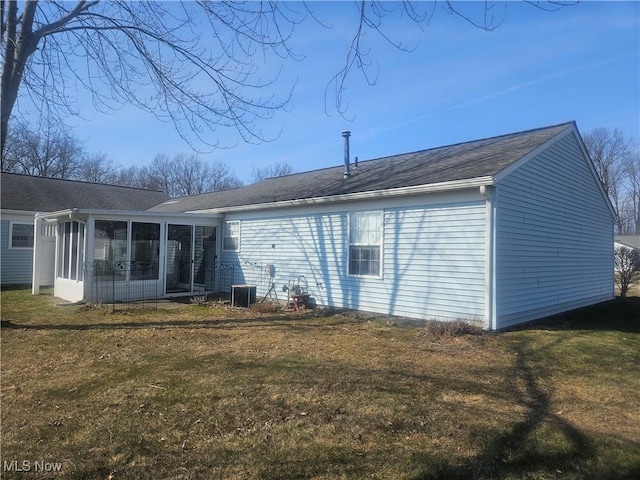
[152, 55]
[614, 157]
[97, 168]
[46, 151]
[222, 178]
[186, 174]
[278, 169]
[627, 265]
[130, 177]
[631, 215]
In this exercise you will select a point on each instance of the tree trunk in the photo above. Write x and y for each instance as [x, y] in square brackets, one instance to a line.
[18, 45]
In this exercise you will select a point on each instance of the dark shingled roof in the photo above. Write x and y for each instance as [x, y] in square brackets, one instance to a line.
[462, 161]
[41, 194]
[632, 241]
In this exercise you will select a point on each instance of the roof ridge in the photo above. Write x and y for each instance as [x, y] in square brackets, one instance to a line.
[457, 144]
[81, 181]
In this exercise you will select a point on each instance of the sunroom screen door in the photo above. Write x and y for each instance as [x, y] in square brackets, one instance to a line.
[179, 258]
[204, 258]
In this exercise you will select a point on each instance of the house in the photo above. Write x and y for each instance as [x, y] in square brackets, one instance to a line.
[628, 241]
[501, 231]
[22, 196]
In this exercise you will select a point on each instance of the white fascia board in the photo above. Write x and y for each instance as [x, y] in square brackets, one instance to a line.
[125, 213]
[59, 213]
[350, 197]
[516, 165]
[5, 211]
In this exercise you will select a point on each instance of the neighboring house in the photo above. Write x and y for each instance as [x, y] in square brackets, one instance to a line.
[501, 231]
[629, 241]
[22, 196]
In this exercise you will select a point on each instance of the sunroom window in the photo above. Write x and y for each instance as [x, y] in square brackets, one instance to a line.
[71, 250]
[110, 249]
[145, 250]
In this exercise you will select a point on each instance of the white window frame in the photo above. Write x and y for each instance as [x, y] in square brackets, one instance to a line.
[380, 245]
[226, 234]
[11, 224]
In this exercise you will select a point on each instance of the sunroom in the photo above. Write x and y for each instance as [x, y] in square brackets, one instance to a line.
[103, 256]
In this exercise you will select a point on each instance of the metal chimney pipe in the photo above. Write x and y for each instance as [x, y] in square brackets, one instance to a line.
[347, 171]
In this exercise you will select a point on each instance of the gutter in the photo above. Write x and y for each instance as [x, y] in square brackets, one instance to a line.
[140, 213]
[350, 197]
[6, 211]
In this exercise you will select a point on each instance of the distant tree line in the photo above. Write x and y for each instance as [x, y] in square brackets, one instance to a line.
[53, 152]
[617, 160]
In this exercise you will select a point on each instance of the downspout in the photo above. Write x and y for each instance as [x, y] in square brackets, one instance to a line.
[490, 304]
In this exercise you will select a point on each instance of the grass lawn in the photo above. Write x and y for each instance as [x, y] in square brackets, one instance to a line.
[207, 392]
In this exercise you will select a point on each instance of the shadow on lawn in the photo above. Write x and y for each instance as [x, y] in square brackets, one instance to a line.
[289, 321]
[621, 315]
[530, 447]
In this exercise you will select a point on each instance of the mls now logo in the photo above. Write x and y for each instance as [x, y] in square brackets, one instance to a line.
[29, 466]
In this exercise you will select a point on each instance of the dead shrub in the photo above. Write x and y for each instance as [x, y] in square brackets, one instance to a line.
[266, 307]
[446, 329]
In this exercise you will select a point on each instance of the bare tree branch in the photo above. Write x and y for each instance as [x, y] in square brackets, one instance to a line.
[151, 55]
[278, 169]
[200, 65]
[373, 16]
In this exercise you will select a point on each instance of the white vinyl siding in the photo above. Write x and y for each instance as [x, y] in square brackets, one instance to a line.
[433, 260]
[17, 263]
[555, 237]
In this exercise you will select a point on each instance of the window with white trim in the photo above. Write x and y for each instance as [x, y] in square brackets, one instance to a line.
[231, 236]
[21, 235]
[365, 244]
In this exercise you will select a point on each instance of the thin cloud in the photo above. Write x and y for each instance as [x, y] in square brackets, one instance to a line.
[506, 91]
[536, 81]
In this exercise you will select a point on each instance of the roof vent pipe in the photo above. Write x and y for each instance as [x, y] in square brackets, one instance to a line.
[346, 134]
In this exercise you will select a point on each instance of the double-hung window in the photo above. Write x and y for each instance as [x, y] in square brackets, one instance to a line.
[21, 235]
[231, 237]
[365, 243]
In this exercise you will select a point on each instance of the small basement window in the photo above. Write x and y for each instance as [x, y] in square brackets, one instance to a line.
[21, 235]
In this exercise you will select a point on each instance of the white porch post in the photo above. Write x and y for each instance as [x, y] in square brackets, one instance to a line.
[37, 247]
[88, 261]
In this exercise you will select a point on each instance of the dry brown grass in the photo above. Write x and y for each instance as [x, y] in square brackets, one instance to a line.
[207, 391]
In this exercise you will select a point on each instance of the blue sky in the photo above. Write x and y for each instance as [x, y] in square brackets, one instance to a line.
[460, 83]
